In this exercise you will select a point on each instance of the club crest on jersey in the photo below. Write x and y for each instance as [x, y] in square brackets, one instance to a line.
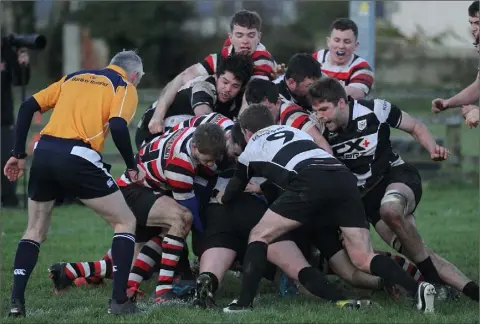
[361, 124]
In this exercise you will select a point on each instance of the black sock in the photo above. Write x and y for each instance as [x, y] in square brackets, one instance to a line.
[123, 246]
[214, 279]
[25, 261]
[183, 266]
[254, 265]
[315, 282]
[386, 268]
[471, 290]
[429, 271]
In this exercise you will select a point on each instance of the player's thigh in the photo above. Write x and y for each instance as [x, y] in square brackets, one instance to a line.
[271, 226]
[141, 201]
[113, 209]
[166, 211]
[42, 182]
[406, 180]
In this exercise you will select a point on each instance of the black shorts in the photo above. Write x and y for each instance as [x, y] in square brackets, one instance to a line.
[65, 167]
[140, 200]
[323, 197]
[229, 226]
[404, 173]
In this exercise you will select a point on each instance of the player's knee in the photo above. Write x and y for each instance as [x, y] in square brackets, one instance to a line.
[393, 206]
[181, 222]
[259, 234]
[360, 260]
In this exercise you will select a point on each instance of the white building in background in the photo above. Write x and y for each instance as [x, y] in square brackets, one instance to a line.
[433, 17]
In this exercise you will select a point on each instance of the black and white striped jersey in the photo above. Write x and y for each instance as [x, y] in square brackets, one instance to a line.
[277, 153]
[364, 145]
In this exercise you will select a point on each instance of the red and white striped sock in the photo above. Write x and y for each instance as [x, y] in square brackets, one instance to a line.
[149, 255]
[172, 247]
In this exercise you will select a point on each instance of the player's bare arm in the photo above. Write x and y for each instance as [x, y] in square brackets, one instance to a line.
[168, 95]
[467, 96]
[355, 93]
[421, 133]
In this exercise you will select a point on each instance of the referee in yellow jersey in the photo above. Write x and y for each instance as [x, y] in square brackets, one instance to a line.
[86, 105]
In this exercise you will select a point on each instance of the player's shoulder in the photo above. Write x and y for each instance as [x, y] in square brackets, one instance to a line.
[359, 63]
[261, 52]
[320, 55]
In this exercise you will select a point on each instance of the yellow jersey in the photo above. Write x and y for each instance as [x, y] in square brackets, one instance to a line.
[84, 101]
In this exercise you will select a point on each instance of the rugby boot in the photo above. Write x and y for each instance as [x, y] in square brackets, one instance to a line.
[425, 297]
[288, 286]
[203, 297]
[126, 308]
[445, 292]
[168, 298]
[183, 288]
[59, 277]
[89, 282]
[135, 293]
[17, 308]
[233, 307]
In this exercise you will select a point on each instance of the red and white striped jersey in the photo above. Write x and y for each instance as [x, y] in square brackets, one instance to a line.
[263, 62]
[295, 116]
[168, 164]
[356, 73]
[213, 118]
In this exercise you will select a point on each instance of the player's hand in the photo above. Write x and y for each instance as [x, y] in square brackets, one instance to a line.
[253, 188]
[471, 115]
[278, 71]
[439, 153]
[14, 168]
[23, 57]
[156, 125]
[439, 105]
[136, 176]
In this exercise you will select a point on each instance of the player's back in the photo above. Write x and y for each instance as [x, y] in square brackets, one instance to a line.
[85, 101]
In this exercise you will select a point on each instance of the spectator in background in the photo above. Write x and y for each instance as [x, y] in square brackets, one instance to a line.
[12, 61]
[471, 94]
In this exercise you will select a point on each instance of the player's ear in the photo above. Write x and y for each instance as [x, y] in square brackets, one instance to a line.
[259, 36]
[291, 83]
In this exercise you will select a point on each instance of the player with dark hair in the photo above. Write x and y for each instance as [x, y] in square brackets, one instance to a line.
[359, 133]
[245, 34]
[468, 97]
[283, 111]
[302, 70]
[219, 93]
[312, 180]
[339, 61]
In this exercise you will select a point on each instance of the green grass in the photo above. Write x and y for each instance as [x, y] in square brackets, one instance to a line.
[447, 218]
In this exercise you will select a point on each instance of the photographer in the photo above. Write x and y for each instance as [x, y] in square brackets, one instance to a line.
[15, 72]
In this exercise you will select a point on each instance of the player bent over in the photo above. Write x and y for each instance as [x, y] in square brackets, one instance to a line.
[359, 133]
[67, 159]
[226, 237]
[315, 184]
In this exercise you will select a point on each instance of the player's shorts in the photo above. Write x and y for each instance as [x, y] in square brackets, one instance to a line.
[67, 167]
[140, 200]
[323, 198]
[404, 173]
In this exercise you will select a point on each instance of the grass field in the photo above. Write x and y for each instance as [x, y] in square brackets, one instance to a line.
[447, 218]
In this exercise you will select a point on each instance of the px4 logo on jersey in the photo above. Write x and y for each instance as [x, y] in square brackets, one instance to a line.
[351, 149]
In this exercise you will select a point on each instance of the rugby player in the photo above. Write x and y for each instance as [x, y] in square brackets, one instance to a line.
[245, 34]
[86, 104]
[219, 93]
[312, 180]
[302, 70]
[226, 237]
[339, 61]
[359, 133]
[471, 94]
[149, 239]
[283, 111]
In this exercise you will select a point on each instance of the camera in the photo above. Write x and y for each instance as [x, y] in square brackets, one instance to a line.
[30, 41]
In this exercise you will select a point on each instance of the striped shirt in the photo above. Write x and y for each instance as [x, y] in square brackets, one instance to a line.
[355, 73]
[168, 164]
